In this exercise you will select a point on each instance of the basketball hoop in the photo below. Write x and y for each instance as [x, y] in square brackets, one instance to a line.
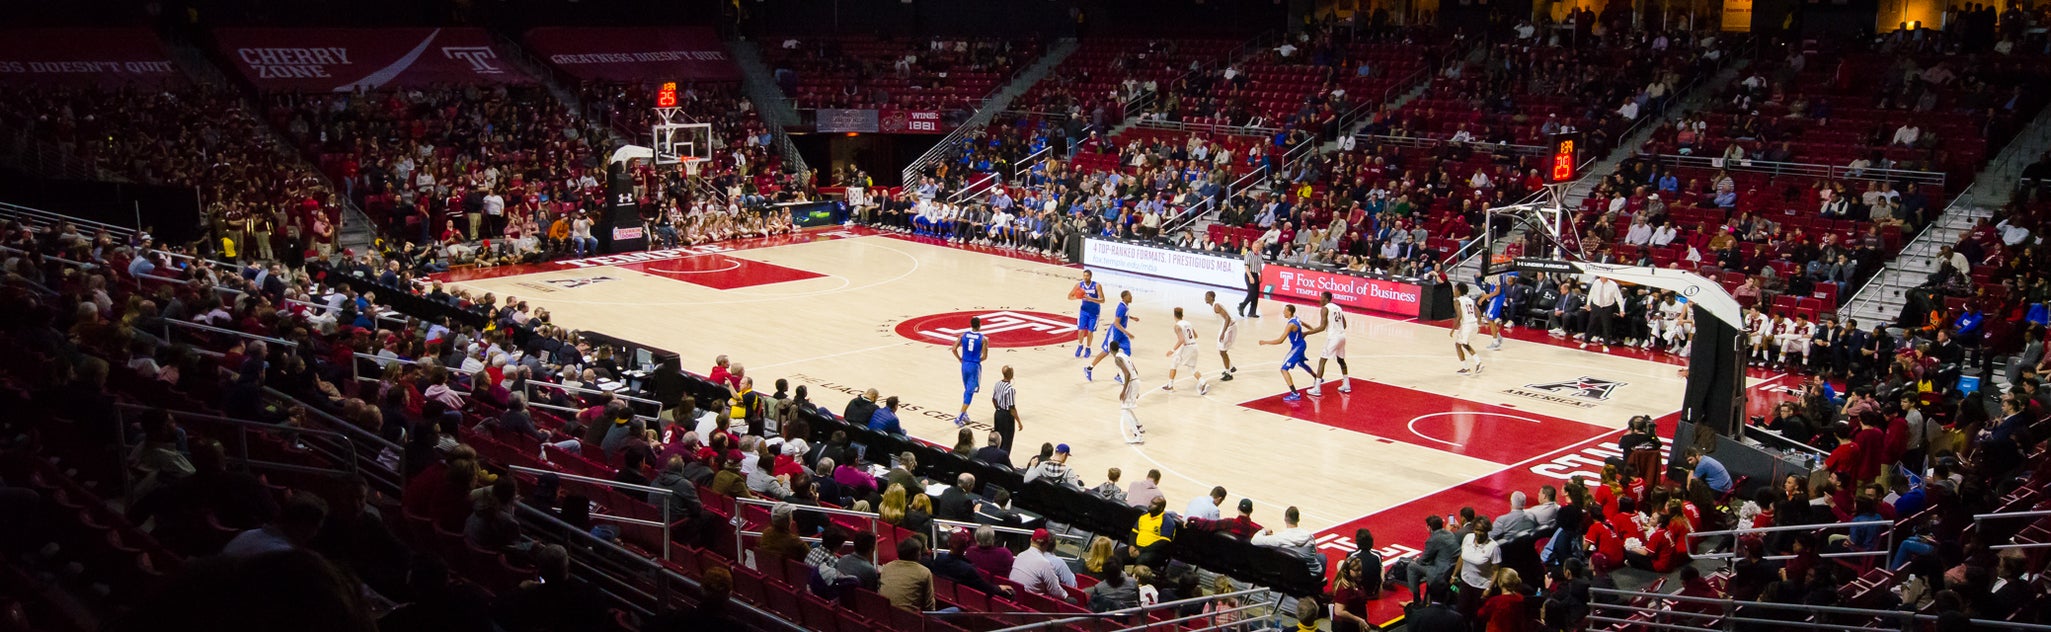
[691, 168]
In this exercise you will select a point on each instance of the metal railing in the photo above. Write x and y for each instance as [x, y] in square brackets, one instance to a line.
[741, 532]
[1733, 612]
[633, 581]
[1875, 291]
[169, 322]
[1804, 169]
[1138, 613]
[1887, 535]
[1426, 142]
[938, 152]
[1207, 128]
[332, 446]
[645, 489]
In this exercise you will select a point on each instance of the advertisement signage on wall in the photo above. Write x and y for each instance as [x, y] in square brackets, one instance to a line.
[1195, 267]
[349, 59]
[836, 120]
[1737, 16]
[102, 56]
[1394, 297]
[687, 53]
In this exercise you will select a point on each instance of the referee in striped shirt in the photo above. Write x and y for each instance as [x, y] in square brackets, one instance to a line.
[1006, 400]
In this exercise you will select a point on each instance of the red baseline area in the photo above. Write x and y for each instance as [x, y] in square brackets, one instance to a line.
[1483, 431]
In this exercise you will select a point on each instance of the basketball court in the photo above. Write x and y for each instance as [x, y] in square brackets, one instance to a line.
[846, 309]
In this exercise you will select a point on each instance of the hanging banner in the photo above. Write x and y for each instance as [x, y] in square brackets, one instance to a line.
[631, 54]
[1737, 16]
[345, 60]
[79, 56]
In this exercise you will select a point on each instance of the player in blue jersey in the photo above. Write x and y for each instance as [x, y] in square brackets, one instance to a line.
[1119, 335]
[1293, 334]
[1092, 296]
[1496, 302]
[970, 349]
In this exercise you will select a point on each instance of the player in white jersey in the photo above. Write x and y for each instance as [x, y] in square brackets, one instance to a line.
[1128, 400]
[1666, 322]
[1184, 354]
[1794, 340]
[1228, 332]
[1755, 332]
[1332, 321]
[1467, 323]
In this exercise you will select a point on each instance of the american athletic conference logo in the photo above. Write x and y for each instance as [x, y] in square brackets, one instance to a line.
[1002, 328]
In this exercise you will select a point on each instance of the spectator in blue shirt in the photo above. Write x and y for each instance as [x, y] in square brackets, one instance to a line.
[885, 419]
[1709, 471]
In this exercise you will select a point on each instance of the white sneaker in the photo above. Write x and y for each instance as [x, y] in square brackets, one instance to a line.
[1584, 345]
[1316, 391]
[1346, 388]
[1477, 367]
[1495, 345]
[1203, 388]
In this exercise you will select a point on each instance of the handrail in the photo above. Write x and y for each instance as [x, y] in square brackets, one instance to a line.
[1427, 141]
[2011, 514]
[573, 411]
[612, 550]
[231, 332]
[1807, 169]
[590, 391]
[1728, 604]
[940, 524]
[740, 526]
[75, 264]
[348, 457]
[56, 217]
[1928, 231]
[646, 489]
[1126, 612]
[1799, 527]
[1211, 128]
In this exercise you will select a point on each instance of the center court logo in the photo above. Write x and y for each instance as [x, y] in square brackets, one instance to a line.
[1003, 328]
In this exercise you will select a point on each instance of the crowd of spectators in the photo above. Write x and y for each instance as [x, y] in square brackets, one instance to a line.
[254, 192]
[1599, 81]
[916, 74]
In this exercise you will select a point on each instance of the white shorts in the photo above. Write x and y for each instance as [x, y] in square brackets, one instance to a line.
[1228, 336]
[1335, 347]
[1185, 358]
[1462, 335]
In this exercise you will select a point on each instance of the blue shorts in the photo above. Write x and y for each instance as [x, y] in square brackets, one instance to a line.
[1295, 360]
[1121, 343]
[1495, 310]
[1086, 321]
[971, 381]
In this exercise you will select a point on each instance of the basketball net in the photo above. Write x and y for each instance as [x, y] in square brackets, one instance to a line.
[691, 168]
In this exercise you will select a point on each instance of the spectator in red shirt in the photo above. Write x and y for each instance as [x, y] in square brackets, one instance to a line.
[1503, 607]
[1846, 458]
[1872, 442]
[1241, 526]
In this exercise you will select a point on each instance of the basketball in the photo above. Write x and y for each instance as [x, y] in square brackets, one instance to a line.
[1075, 293]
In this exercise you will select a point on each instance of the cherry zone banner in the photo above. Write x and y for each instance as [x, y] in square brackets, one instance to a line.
[345, 59]
[103, 56]
[629, 54]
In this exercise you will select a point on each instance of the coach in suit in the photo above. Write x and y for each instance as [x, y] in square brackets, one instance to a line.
[958, 502]
[1436, 563]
